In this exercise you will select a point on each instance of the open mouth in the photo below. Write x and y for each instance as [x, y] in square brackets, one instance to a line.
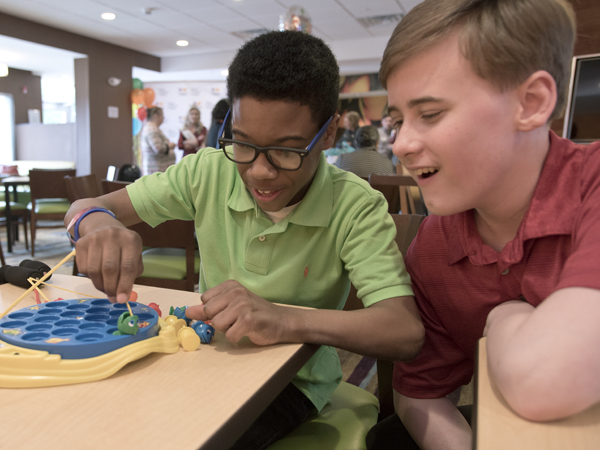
[425, 172]
[266, 195]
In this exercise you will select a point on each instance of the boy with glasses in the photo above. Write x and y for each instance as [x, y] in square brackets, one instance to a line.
[275, 223]
[511, 251]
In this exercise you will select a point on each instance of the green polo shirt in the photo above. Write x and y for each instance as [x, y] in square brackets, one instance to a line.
[340, 232]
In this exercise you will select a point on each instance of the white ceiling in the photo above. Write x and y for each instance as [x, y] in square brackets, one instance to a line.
[209, 25]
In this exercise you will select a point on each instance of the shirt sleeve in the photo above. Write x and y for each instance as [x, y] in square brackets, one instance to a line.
[583, 265]
[170, 195]
[180, 142]
[371, 256]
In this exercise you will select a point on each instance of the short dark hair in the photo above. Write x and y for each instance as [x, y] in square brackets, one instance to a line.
[220, 110]
[291, 66]
[366, 136]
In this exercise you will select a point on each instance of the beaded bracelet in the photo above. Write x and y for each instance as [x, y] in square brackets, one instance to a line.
[80, 216]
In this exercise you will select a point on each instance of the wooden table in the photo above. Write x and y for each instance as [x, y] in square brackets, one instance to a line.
[497, 427]
[186, 400]
[8, 183]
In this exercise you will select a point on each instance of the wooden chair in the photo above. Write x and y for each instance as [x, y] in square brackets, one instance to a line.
[407, 226]
[396, 190]
[344, 423]
[82, 187]
[49, 199]
[109, 186]
[171, 261]
[18, 212]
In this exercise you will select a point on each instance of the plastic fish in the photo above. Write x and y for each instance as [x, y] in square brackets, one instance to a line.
[204, 331]
[127, 324]
[180, 313]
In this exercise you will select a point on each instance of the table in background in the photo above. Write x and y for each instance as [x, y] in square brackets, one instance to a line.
[11, 182]
[497, 427]
[187, 400]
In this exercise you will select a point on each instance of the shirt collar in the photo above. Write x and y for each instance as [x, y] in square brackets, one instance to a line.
[552, 211]
[314, 209]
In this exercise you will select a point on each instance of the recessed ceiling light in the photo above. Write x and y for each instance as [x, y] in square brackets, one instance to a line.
[109, 16]
[182, 43]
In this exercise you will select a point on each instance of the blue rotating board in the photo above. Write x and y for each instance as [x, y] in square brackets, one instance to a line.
[75, 329]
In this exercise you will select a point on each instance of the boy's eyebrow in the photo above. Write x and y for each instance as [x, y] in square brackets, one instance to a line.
[281, 139]
[416, 102]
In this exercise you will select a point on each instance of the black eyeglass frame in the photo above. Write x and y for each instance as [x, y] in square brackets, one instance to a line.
[223, 142]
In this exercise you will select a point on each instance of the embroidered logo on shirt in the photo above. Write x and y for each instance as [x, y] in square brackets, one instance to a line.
[305, 271]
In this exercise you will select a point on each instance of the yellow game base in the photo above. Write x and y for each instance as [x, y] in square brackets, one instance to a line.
[25, 368]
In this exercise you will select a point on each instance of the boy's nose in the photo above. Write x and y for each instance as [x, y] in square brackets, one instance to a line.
[262, 168]
[406, 144]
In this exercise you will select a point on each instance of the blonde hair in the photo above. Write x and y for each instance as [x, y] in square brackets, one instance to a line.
[505, 41]
[353, 118]
[192, 126]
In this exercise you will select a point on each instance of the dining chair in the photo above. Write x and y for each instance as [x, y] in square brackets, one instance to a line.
[49, 199]
[18, 213]
[109, 186]
[344, 423]
[170, 257]
[85, 186]
[396, 190]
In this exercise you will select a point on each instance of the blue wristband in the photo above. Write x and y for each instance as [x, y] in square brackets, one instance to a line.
[82, 216]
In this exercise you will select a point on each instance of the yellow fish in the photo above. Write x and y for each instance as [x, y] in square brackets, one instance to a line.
[56, 340]
[15, 332]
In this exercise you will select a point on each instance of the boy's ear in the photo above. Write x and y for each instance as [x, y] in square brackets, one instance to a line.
[537, 98]
[329, 135]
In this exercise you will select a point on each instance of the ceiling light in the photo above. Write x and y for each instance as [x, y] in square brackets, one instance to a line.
[182, 43]
[3, 70]
[225, 72]
[109, 16]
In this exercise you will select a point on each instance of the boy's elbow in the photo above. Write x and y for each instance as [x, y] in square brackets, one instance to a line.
[541, 395]
[413, 342]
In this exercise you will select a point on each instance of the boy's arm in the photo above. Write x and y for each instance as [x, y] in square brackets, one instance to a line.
[434, 423]
[545, 360]
[390, 329]
[107, 252]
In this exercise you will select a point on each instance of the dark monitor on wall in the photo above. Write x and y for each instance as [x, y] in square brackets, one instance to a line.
[582, 116]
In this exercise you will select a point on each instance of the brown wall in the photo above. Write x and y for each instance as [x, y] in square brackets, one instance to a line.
[14, 84]
[110, 140]
[588, 36]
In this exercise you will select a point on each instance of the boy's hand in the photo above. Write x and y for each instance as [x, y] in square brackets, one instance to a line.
[237, 312]
[112, 258]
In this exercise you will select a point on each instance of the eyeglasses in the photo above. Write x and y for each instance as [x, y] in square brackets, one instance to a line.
[283, 158]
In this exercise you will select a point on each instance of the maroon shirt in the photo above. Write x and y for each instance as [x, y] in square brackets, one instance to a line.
[458, 280]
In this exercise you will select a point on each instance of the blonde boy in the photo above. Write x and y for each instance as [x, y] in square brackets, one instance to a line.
[511, 252]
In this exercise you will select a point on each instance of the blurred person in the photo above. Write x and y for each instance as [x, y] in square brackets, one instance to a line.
[365, 160]
[157, 150]
[346, 141]
[193, 133]
[218, 116]
[386, 134]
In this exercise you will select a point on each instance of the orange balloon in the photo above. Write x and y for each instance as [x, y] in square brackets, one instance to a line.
[137, 96]
[148, 97]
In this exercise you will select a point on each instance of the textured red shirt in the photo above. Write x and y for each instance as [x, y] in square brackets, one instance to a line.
[458, 279]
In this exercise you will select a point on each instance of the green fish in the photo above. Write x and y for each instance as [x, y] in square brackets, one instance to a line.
[127, 324]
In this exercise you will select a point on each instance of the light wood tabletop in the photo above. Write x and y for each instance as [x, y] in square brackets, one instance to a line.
[497, 427]
[186, 400]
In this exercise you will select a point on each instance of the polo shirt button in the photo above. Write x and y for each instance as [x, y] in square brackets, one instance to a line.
[505, 271]
[262, 238]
